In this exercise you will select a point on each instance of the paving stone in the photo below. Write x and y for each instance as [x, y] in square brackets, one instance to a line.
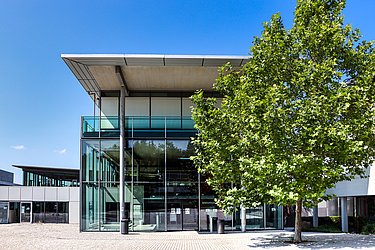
[67, 236]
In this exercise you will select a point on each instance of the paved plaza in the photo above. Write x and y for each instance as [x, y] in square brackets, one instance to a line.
[66, 236]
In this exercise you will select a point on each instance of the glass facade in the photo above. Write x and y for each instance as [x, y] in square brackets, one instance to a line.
[34, 179]
[163, 190]
[161, 185]
[4, 212]
[50, 212]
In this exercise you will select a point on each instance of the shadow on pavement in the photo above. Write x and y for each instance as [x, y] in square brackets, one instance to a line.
[315, 241]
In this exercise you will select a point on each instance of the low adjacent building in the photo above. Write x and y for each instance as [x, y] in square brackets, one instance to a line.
[48, 195]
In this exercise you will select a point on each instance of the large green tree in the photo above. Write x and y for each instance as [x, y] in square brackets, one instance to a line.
[296, 119]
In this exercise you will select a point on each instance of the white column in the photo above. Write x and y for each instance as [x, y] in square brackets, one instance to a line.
[211, 224]
[122, 156]
[315, 217]
[344, 214]
[243, 219]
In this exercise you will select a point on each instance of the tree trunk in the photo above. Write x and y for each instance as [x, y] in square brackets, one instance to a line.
[298, 223]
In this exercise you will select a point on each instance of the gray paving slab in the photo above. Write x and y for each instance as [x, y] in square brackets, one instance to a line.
[67, 236]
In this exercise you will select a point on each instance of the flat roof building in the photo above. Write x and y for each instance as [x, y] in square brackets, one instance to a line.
[135, 149]
[48, 195]
[49, 176]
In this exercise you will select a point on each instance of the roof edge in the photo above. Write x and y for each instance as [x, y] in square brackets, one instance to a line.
[182, 56]
[21, 166]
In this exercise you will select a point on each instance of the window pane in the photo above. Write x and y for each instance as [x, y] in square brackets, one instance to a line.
[109, 207]
[4, 212]
[110, 160]
[90, 207]
[148, 205]
[90, 160]
[182, 186]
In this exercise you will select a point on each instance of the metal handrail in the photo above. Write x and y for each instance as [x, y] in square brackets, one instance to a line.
[111, 123]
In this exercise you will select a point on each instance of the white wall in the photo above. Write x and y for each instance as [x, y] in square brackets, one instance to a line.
[137, 106]
[356, 187]
[109, 107]
[165, 106]
[74, 212]
[27, 193]
[4, 193]
[160, 106]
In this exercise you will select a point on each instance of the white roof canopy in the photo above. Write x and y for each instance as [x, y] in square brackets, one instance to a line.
[150, 72]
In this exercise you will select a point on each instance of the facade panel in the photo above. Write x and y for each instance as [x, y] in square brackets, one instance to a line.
[74, 212]
[38, 193]
[63, 194]
[14, 193]
[137, 106]
[74, 194]
[4, 193]
[50, 194]
[165, 106]
[26, 193]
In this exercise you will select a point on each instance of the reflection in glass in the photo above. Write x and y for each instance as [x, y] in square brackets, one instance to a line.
[14, 212]
[90, 207]
[162, 191]
[38, 212]
[254, 217]
[273, 216]
[50, 212]
[90, 160]
[182, 186]
[25, 211]
[109, 207]
[110, 160]
[148, 205]
[4, 212]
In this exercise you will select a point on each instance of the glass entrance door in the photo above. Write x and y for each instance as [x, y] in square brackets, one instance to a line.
[25, 212]
[190, 216]
[174, 216]
[182, 216]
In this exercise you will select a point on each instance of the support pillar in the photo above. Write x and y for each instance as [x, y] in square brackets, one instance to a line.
[315, 217]
[344, 214]
[122, 159]
[243, 219]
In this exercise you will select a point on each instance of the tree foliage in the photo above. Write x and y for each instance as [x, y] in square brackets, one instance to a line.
[294, 120]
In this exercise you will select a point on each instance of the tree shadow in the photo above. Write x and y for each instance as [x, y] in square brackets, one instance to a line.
[315, 241]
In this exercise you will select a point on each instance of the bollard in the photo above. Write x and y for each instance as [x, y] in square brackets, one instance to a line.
[125, 226]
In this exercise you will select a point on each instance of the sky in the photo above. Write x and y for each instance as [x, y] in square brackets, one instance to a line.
[41, 101]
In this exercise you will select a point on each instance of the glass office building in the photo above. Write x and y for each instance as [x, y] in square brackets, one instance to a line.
[163, 191]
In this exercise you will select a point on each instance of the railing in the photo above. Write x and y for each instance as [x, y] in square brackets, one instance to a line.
[95, 124]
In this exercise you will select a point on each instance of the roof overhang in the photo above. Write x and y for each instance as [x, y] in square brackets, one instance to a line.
[148, 73]
[52, 172]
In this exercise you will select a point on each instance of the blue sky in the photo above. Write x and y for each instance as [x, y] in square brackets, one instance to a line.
[41, 102]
